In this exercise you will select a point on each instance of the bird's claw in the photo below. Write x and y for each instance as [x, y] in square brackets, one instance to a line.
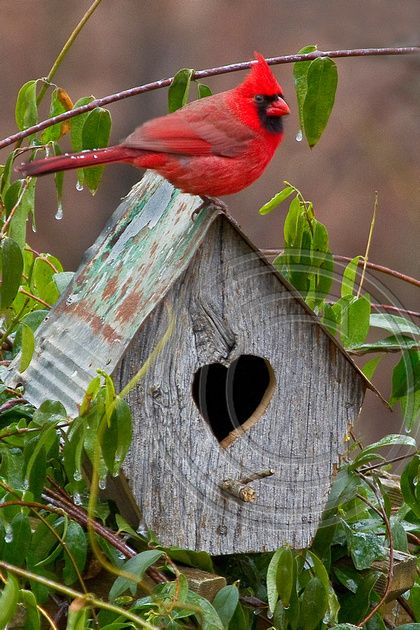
[217, 204]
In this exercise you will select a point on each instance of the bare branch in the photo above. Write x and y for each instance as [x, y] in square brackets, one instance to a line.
[202, 74]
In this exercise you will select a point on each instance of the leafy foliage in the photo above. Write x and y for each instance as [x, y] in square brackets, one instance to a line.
[58, 537]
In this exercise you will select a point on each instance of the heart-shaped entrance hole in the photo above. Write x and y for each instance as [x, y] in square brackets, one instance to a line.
[233, 399]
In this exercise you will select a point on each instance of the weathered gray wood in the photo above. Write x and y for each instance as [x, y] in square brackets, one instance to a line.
[228, 303]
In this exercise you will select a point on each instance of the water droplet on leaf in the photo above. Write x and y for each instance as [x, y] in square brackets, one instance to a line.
[8, 536]
[299, 136]
[79, 186]
[102, 483]
[77, 475]
[77, 499]
[59, 214]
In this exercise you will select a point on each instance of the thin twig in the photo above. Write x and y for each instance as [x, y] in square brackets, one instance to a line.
[67, 47]
[9, 404]
[368, 244]
[388, 461]
[374, 266]
[395, 309]
[404, 604]
[382, 269]
[88, 600]
[34, 297]
[385, 519]
[6, 224]
[202, 74]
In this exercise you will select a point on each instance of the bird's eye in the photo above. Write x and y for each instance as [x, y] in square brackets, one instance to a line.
[259, 99]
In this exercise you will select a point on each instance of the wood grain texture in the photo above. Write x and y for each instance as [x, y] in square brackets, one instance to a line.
[228, 303]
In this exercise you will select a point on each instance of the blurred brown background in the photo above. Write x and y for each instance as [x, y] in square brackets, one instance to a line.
[371, 143]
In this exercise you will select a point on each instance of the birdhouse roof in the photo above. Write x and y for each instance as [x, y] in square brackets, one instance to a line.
[149, 241]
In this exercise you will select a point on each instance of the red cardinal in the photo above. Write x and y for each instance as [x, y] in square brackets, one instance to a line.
[213, 146]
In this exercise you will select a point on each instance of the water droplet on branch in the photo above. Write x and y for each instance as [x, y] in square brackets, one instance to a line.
[299, 136]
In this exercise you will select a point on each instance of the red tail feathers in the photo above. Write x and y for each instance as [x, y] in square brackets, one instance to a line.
[69, 161]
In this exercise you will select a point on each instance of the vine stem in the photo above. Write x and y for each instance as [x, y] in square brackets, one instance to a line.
[370, 265]
[202, 74]
[88, 600]
[368, 244]
[66, 48]
[390, 573]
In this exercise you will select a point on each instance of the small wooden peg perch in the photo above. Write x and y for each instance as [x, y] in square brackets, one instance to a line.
[240, 489]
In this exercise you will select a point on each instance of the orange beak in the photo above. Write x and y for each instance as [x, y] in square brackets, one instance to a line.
[279, 107]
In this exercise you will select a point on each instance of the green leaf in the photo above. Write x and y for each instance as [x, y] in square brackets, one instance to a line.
[200, 559]
[399, 536]
[410, 487]
[95, 135]
[207, 617]
[300, 72]
[117, 437]
[394, 324]
[393, 439]
[321, 572]
[76, 543]
[78, 122]
[225, 603]
[11, 264]
[26, 205]
[314, 604]
[203, 90]
[49, 412]
[406, 386]
[76, 128]
[276, 200]
[292, 224]
[285, 576]
[44, 547]
[349, 277]
[414, 600]
[364, 548]
[179, 89]
[137, 567]
[319, 99]
[390, 344]
[26, 112]
[240, 619]
[77, 616]
[355, 321]
[27, 347]
[319, 246]
[32, 617]
[9, 598]
[15, 551]
[280, 578]
[58, 106]
[370, 366]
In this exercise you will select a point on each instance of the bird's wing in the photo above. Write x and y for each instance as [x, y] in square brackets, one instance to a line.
[204, 127]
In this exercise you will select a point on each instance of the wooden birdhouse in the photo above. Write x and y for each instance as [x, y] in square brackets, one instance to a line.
[240, 419]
